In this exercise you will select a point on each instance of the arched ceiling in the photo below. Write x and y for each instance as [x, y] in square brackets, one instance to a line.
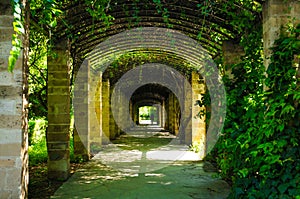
[206, 21]
[151, 92]
[133, 59]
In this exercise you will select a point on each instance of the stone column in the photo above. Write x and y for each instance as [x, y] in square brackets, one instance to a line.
[112, 124]
[13, 136]
[171, 113]
[81, 114]
[163, 114]
[105, 111]
[158, 115]
[95, 111]
[232, 53]
[276, 15]
[58, 135]
[167, 114]
[177, 107]
[134, 109]
[198, 122]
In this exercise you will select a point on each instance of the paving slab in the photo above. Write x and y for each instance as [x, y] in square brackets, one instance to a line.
[144, 168]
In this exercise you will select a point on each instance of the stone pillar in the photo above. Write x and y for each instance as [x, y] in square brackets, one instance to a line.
[13, 133]
[81, 114]
[177, 107]
[171, 113]
[112, 123]
[198, 122]
[232, 53]
[167, 114]
[58, 135]
[276, 15]
[163, 114]
[134, 109]
[105, 111]
[126, 110]
[95, 111]
[158, 115]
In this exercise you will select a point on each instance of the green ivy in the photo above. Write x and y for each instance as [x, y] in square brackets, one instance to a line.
[16, 37]
[259, 149]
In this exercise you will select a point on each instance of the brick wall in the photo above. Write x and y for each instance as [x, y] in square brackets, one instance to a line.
[12, 158]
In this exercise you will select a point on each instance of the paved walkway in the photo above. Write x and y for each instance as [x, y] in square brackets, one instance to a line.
[146, 165]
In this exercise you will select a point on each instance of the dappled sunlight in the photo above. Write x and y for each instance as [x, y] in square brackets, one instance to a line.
[136, 166]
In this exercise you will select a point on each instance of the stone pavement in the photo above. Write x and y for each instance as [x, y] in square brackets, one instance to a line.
[146, 167]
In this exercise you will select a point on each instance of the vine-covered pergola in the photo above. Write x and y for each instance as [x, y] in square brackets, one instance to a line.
[81, 26]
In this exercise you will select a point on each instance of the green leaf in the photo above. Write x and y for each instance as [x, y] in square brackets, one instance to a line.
[53, 23]
[11, 63]
[244, 172]
[283, 187]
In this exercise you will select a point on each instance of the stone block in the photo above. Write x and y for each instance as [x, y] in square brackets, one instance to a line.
[6, 34]
[58, 118]
[6, 78]
[5, 49]
[13, 178]
[7, 162]
[59, 128]
[54, 66]
[6, 21]
[59, 165]
[58, 75]
[58, 90]
[53, 137]
[58, 175]
[10, 149]
[10, 135]
[58, 155]
[5, 7]
[10, 122]
[7, 107]
[58, 82]
[10, 92]
[7, 194]
[58, 108]
[57, 145]
[3, 63]
[279, 9]
[3, 173]
[58, 99]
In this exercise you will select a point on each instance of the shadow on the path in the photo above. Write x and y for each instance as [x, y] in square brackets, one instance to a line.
[144, 167]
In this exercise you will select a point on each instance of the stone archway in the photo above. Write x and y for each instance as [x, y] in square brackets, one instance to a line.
[13, 162]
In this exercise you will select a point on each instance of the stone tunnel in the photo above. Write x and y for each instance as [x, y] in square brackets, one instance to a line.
[96, 123]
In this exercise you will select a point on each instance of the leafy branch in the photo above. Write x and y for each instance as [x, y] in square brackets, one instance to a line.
[16, 37]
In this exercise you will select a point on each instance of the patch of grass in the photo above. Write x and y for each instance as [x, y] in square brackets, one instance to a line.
[37, 141]
[38, 153]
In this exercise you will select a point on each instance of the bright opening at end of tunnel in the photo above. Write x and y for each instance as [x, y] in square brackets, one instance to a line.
[148, 115]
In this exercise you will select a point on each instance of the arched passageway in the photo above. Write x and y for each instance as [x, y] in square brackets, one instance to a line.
[159, 21]
[82, 27]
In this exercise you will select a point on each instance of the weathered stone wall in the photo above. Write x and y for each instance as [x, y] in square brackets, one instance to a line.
[276, 15]
[105, 111]
[58, 135]
[232, 53]
[81, 114]
[13, 145]
[95, 110]
[198, 123]
[171, 113]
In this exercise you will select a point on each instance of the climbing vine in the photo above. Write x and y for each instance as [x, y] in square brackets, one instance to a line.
[16, 37]
[259, 149]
